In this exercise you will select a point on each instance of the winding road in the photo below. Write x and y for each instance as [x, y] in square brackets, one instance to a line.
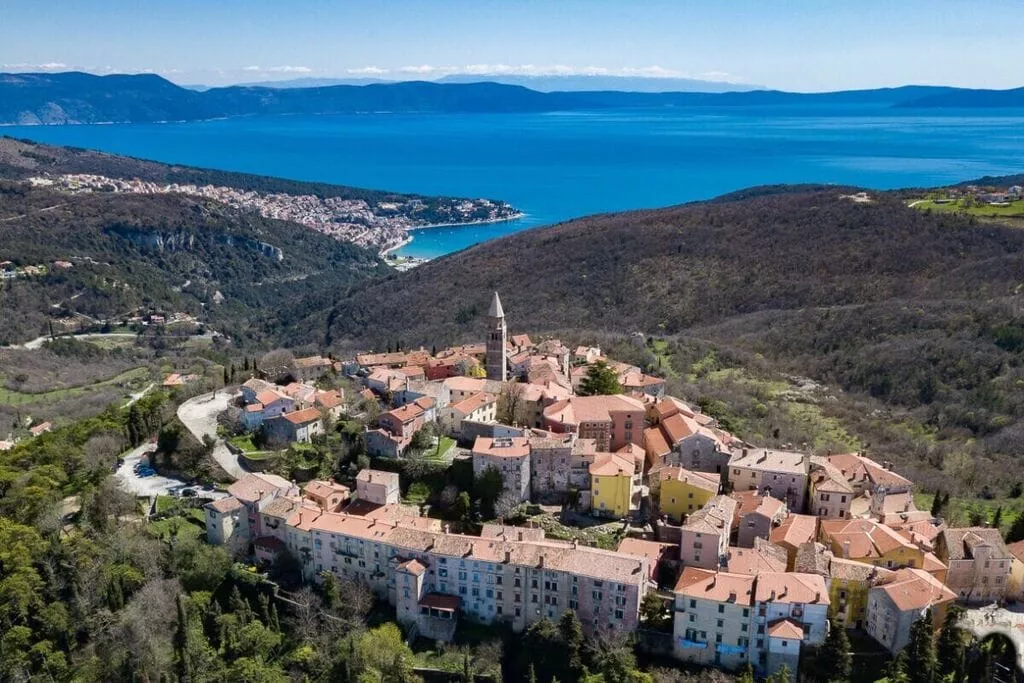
[199, 415]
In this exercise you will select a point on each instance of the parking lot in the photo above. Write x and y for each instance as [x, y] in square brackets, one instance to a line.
[134, 482]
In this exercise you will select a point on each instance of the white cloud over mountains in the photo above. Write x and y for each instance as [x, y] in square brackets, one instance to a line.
[432, 71]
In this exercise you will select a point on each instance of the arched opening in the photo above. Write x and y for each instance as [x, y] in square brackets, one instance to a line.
[994, 658]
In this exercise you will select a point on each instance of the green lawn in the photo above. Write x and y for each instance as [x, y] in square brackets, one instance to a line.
[445, 444]
[1012, 209]
[659, 347]
[244, 442]
[180, 527]
[961, 510]
[12, 396]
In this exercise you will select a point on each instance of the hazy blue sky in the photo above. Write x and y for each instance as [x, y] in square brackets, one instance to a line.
[789, 44]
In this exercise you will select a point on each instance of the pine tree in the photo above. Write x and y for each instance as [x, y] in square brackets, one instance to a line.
[951, 651]
[746, 674]
[275, 622]
[240, 606]
[936, 504]
[211, 623]
[921, 651]
[997, 518]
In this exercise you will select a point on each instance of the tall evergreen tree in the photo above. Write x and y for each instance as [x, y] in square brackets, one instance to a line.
[936, 504]
[897, 670]
[183, 664]
[571, 630]
[951, 650]
[835, 662]
[600, 380]
[921, 651]
[1016, 531]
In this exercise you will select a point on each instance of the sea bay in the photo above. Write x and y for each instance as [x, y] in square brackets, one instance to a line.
[559, 166]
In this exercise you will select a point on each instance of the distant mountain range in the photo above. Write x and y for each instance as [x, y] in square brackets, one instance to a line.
[75, 97]
[549, 83]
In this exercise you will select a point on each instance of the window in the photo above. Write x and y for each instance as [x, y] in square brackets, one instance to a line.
[618, 614]
[721, 623]
[497, 580]
[743, 628]
[693, 603]
[518, 598]
[597, 595]
[693, 618]
[533, 598]
[718, 637]
[462, 576]
[721, 609]
[498, 610]
[442, 572]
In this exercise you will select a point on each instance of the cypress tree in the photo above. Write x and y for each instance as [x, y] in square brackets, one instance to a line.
[997, 518]
[571, 630]
[746, 674]
[921, 651]
[835, 661]
[183, 665]
[936, 504]
[1016, 531]
[951, 651]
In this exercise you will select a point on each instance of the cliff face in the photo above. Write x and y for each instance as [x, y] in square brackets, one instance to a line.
[185, 240]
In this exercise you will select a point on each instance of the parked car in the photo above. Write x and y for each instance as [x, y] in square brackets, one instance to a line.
[188, 493]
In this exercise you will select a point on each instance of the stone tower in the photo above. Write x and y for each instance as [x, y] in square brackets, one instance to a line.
[497, 333]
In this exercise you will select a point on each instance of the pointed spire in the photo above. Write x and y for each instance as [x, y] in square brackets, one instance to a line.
[496, 310]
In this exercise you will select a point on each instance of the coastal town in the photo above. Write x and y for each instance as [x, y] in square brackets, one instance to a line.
[751, 557]
[381, 225]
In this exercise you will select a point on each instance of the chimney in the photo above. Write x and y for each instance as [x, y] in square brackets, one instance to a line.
[846, 549]
[447, 528]
[732, 596]
[772, 596]
[575, 543]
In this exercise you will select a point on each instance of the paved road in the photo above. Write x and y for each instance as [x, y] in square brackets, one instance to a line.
[38, 342]
[199, 415]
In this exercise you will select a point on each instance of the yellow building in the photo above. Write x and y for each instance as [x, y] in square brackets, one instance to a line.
[613, 484]
[681, 491]
[848, 582]
[868, 541]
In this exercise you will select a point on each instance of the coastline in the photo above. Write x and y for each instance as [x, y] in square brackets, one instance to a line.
[483, 221]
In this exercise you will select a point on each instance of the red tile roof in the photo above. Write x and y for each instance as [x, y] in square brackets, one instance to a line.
[300, 417]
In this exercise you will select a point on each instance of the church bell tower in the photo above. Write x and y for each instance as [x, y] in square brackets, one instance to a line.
[497, 333]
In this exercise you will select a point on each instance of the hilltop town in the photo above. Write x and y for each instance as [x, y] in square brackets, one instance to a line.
[382, 225]
[742, 555]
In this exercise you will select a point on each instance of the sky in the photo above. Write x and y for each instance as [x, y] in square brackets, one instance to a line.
[798, 45]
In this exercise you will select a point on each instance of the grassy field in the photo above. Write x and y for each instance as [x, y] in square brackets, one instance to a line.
[968, 511]
[18, 398]
[1013, 209]
[244, 442]
[445, 444]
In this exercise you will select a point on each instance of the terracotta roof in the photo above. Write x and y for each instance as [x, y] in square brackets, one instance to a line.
[1016, 549]
[257, 385]
[866, 538]
[715, 517]
[579, 409]
[324, 489]
[512, 533]
[655, 443]
[613, 464]
[270, 543]
[767, 460]
[585, 561]
[269, 396]
[915, 590]
[224, 505]
[795, 529]
[652, 550]
[786, 629]
[414, 567]
[378, 477]
[330, 399]
[465, 384]
[254, 408]
[932, 563]
[851, 570]
[706, 481]
[716, 586]
[445, 603]
[510, 447]
[790, 587]
[521, 340]
[960, 543]
[300, 417]
[764, 557]
[755, 501]
[827, 477]
[312, 362]
[474, 402]
[638, 379]
[249, 488]
[407, 413]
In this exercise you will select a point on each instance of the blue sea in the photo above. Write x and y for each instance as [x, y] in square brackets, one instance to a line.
[559, 166]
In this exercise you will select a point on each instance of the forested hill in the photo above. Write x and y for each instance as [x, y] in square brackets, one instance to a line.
[44, 98]
[137, 254]
[672, 269]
